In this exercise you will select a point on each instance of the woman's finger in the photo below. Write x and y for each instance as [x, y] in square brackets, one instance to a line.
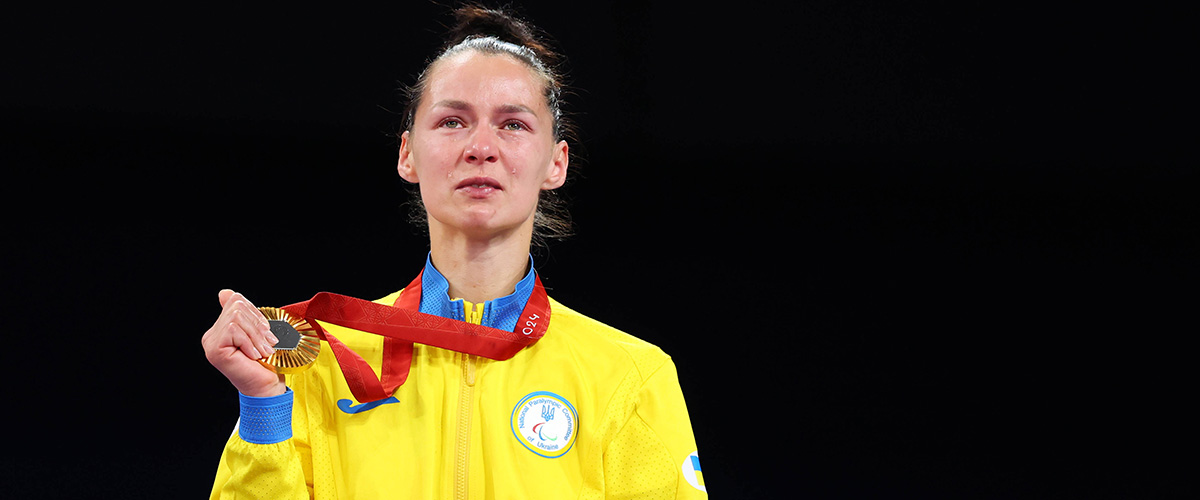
[240, 340]
[258, 328]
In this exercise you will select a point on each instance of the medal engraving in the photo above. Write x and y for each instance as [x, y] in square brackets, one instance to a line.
[298, 346]
[288, 337]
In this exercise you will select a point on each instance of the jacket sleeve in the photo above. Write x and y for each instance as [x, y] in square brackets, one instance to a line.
[268, 455]
[653, 456]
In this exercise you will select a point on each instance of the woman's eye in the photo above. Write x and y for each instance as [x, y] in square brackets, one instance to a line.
[451, 123]
[514, 126]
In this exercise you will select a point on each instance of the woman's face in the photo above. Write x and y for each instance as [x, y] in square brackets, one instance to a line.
[482, 146]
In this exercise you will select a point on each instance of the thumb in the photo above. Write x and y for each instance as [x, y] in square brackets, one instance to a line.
[224, 295]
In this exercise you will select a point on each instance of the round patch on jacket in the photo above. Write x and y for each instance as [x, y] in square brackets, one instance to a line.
[545, 423]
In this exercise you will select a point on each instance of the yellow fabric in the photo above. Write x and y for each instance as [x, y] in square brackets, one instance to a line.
[632, 440]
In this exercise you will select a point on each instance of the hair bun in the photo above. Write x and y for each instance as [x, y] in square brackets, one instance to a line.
[474, 20]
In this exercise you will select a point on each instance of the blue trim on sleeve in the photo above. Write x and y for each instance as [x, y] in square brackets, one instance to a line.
[265, 420]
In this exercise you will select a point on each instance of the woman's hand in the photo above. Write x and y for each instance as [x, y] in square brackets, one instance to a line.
[240, 337]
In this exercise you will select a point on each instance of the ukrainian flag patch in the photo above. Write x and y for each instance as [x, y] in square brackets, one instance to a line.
[691, 472]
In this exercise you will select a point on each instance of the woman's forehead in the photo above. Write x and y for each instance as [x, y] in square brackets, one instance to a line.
[478, 79]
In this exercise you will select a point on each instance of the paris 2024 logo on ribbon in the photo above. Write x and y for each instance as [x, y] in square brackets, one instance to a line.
[545, 423]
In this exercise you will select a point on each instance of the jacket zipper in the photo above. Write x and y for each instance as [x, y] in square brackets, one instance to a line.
[473, 314]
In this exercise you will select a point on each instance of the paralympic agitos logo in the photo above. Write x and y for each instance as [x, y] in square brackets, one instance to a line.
[540, 428]
[545, 424]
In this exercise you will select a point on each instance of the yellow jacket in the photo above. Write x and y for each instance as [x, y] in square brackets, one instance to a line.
[586, 412]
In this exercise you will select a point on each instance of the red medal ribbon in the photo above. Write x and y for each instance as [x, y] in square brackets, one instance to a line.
[403, 324]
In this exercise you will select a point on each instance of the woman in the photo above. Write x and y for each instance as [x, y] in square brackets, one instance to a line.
[586, 411]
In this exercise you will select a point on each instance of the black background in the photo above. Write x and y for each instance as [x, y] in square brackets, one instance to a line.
[918, 251]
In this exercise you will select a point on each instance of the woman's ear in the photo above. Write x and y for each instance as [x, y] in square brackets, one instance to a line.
[556, 174]
[405, 164]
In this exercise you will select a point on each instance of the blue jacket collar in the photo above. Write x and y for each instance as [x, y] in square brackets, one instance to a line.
[501, 313]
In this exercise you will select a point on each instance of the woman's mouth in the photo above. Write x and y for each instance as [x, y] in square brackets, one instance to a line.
[478, 187]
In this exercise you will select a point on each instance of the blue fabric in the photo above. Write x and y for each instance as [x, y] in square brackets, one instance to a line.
[502, 313]
[265, 420]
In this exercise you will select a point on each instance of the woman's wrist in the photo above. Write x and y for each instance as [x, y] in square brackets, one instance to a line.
[267, 391]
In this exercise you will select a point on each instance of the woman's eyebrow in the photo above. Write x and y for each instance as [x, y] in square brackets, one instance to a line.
[514, 108]
[501, 109]
[452, 104]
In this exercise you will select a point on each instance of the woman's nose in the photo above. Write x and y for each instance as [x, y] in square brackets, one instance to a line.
[482, 149]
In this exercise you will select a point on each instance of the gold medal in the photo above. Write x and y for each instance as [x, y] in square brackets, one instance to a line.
[298, 346]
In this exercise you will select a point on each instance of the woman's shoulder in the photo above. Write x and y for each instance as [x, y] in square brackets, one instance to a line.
[600, 340]
[390, 298]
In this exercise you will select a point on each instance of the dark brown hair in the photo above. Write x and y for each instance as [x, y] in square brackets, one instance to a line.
[496, 31]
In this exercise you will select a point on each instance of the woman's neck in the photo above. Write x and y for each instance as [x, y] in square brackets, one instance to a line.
[479, 271]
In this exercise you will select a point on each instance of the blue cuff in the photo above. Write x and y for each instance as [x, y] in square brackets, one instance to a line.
[266, 420]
